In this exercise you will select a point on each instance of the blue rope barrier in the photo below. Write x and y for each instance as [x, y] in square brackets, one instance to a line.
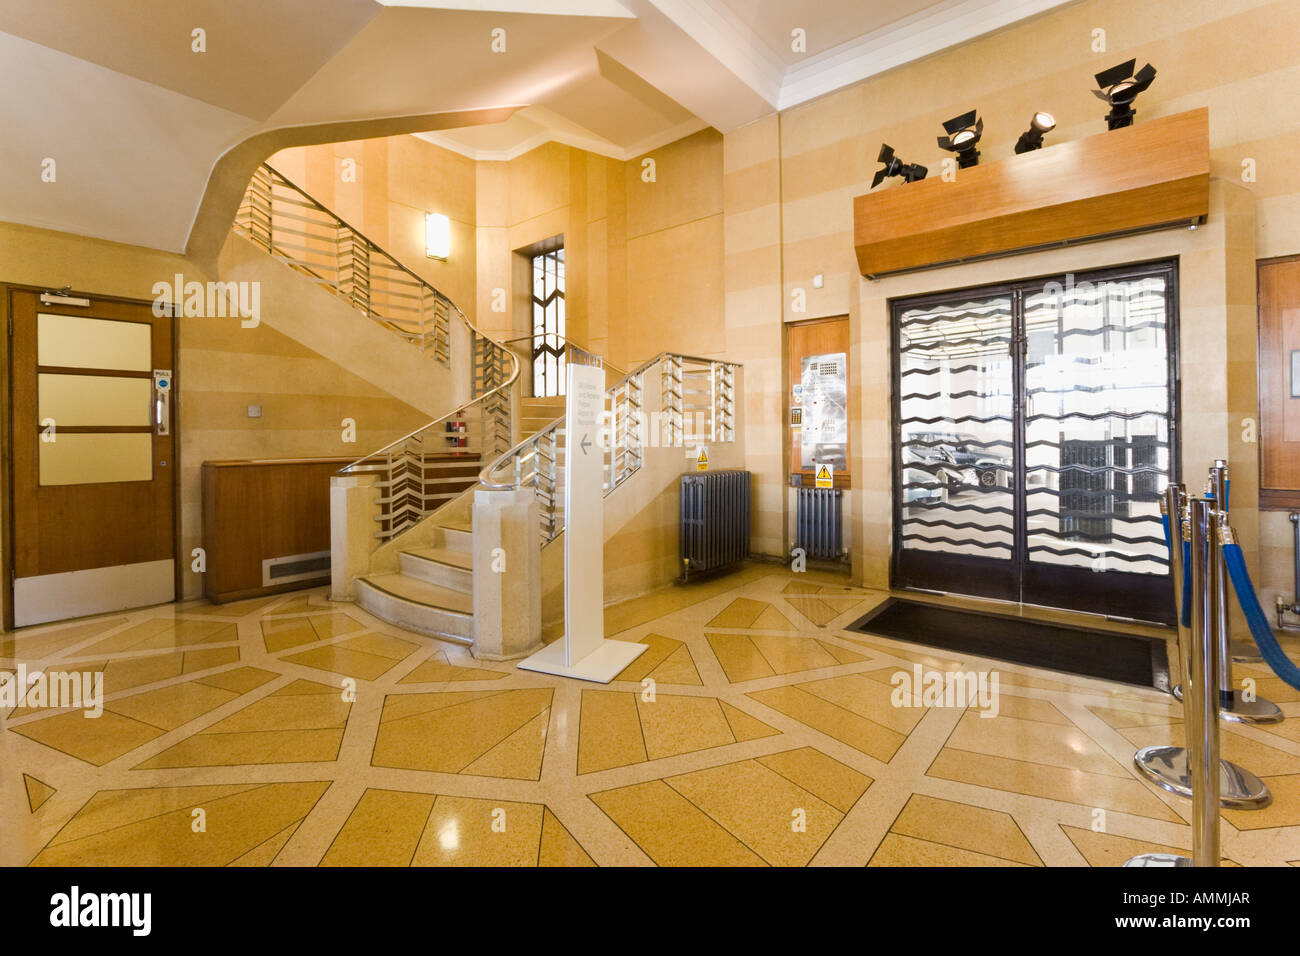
[1269, 648]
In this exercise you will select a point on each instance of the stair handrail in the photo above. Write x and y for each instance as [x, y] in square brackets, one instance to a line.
[355, 259]
[337, 247]
[585, 355]
[625, 446]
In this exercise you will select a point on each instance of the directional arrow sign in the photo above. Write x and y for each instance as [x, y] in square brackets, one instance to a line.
[585, 443]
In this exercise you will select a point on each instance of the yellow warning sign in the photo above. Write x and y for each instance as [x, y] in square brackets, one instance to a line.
[825, 476]
[702, 460]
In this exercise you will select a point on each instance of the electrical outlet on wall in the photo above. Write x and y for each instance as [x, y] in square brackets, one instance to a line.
[254, 411]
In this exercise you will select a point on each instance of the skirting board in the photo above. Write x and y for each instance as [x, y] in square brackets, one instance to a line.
[601, 665]
[68, 594]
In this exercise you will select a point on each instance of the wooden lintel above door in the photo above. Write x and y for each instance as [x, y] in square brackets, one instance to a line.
[1154, 174]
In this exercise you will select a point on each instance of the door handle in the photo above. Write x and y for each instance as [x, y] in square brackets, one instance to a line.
[162, 401]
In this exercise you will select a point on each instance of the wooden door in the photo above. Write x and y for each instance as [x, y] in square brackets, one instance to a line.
[1279, 383]
[93, 457]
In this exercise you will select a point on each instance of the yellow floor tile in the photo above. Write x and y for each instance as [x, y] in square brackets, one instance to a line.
[743, 726]
[1105, 849]
[780, 821]
[675, 725]
[438, 669]
[383, 830]
[739, 657]
[960, 825]
[1125, 795]
[896, 850]
[869, 737]
[462, 831]
[31, 644]
[342, 660]
[96, 741]
[827, 778]
[264, 853]
[670, 829]
[156, 828]
[38, 791]
[609, 731]
[171, 707]
[449, 739]
[1056, 745]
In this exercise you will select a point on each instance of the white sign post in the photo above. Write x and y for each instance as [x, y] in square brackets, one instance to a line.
[583, 652]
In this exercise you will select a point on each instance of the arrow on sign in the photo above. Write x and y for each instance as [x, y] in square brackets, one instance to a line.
[585, 443]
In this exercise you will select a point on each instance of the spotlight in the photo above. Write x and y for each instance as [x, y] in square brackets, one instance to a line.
[1032, 138]
[911, 172]
[1119, 86]
[963, 133]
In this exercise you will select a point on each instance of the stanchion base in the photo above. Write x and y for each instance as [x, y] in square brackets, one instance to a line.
[1159, 859]
[1166, 766]
[1257, 711]
[1244, 652]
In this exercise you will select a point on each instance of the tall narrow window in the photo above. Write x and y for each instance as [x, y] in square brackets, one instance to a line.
[548, 323]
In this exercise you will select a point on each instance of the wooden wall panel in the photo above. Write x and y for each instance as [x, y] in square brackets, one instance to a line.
[815, 337]
[1279, 408]
[254, 510]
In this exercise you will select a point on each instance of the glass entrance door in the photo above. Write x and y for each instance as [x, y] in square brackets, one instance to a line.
[1030, 464]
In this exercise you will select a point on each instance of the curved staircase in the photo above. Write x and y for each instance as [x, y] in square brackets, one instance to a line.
[403, 543]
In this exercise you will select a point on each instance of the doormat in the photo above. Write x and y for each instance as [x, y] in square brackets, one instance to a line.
[1107, 655]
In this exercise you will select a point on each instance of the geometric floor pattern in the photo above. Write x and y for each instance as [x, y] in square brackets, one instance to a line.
[755, 730]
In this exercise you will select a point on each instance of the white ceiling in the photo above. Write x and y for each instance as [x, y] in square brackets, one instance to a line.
[136, 120]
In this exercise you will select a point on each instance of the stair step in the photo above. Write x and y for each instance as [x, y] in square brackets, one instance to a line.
[422, 592]
[458, 536]
[418, 605]
[458, 559]
[443, 567]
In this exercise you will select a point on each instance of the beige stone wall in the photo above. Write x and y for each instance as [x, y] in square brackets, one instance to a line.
[790, 183]
[223, 368]
[398, 180]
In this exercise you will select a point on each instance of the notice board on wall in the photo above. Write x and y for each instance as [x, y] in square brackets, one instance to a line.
[825, 419]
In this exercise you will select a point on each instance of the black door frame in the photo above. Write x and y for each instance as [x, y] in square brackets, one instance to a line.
[1115, 593]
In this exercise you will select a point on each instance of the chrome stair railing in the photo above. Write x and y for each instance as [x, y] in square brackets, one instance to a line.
[697, 401]
[296, 229]
[421, 471]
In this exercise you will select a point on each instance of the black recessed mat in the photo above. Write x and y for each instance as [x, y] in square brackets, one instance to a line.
[1107, 655]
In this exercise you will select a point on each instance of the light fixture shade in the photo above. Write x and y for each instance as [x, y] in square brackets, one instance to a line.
[437, 236]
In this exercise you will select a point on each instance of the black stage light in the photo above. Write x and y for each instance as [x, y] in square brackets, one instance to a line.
[911, 172]
[963, 133]
[1119, 86]
[1032, 138]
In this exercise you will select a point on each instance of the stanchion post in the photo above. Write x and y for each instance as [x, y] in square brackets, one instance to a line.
[1201, 686]
[1173, 503]
[1219, 574]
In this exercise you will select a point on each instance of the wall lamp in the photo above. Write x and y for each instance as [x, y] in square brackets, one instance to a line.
[1032, 138]
[1119, 86]
[437, 236]
[910, 172]
[964, 133]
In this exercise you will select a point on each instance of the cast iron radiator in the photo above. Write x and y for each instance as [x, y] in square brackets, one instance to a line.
[818, 528]
[715, 520]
